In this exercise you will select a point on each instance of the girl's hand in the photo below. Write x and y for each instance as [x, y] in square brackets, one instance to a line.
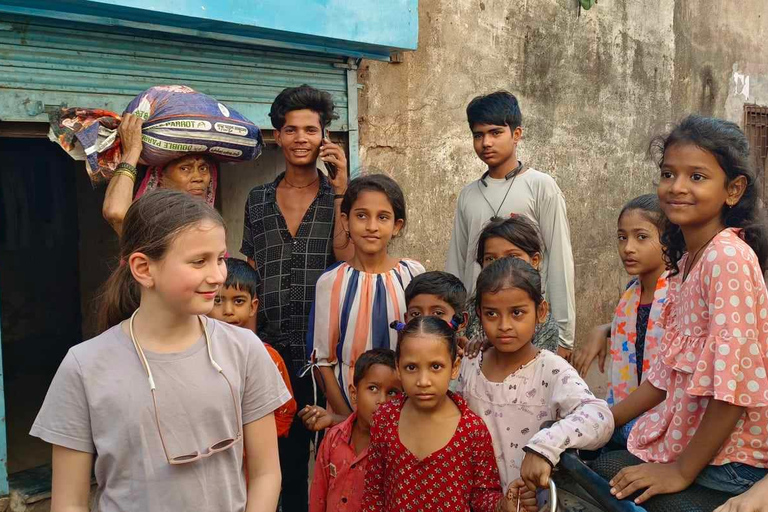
[527, 497]
[315, 418]
[129, 132]
[754, 500]
[475, 346]
[461, 342]
[596, 346]
[655, 478]
[535, 471]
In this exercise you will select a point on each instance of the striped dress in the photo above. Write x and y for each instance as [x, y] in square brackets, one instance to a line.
[352, 313]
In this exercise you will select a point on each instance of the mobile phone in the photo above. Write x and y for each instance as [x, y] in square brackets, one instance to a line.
[330, 169]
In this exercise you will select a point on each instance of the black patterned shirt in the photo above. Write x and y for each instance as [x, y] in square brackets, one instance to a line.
[641, 328]
[288, 266]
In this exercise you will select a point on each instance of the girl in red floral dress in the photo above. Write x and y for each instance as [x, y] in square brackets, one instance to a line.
[428, 450]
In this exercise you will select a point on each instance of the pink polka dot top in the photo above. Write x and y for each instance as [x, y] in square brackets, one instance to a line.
[715, 346]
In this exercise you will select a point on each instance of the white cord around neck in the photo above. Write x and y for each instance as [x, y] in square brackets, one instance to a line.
[143, 358]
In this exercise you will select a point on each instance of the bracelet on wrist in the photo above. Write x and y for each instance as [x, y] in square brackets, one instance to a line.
[338, 196]
[125, 173]
[126, 168]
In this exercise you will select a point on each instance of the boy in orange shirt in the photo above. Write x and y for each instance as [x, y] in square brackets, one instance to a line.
[237, 304]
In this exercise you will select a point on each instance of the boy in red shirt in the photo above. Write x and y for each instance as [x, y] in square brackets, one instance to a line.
[237, 304]
[342, 459]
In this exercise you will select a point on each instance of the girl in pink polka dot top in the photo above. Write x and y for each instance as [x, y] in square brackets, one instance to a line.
[704, 404]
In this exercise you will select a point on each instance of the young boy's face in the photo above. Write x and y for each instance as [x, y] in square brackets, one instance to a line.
[429, 305]
[235, 307]
[379, 385]
[495, 144]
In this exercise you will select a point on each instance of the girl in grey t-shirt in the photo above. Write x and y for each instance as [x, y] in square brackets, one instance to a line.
[165, 400]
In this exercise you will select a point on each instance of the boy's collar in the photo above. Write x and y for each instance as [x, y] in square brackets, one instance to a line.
[347, 426]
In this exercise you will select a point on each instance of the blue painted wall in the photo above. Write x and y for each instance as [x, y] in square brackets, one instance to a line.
[357, 28]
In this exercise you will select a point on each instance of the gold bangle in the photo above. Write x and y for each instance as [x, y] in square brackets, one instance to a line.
[125, 166]
[123, 172]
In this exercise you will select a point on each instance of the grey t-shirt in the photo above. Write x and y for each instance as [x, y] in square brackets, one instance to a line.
[100, 402]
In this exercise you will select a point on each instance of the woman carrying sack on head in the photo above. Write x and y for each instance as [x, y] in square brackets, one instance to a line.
[195, 174]
[177, 132]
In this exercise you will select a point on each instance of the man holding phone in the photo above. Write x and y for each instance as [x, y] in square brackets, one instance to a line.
[292, 232]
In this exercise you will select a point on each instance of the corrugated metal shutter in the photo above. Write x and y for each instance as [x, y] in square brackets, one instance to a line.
[44, 64]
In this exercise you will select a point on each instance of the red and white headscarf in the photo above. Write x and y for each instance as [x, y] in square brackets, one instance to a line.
[154, 179]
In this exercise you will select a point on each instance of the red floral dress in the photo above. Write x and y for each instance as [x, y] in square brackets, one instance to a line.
[459, 477]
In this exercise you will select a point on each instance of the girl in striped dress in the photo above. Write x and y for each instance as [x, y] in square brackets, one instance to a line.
[355, 301]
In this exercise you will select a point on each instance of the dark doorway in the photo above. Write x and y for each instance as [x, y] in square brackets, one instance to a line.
[54, 253]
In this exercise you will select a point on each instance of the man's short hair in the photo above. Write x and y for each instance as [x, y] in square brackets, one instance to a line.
[498, 108]
[303, 97]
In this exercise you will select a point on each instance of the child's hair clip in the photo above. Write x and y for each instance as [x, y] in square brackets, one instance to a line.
[455, 322]
[398, 326]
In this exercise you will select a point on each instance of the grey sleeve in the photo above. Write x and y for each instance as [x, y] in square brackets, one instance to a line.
[553, 223]
[264, 390]
[457, 250]
[65, 419]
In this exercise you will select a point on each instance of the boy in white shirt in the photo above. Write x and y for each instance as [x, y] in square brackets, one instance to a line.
[511, 187]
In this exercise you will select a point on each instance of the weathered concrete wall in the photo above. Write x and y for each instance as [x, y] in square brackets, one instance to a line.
[593, 90]
[720, 58]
